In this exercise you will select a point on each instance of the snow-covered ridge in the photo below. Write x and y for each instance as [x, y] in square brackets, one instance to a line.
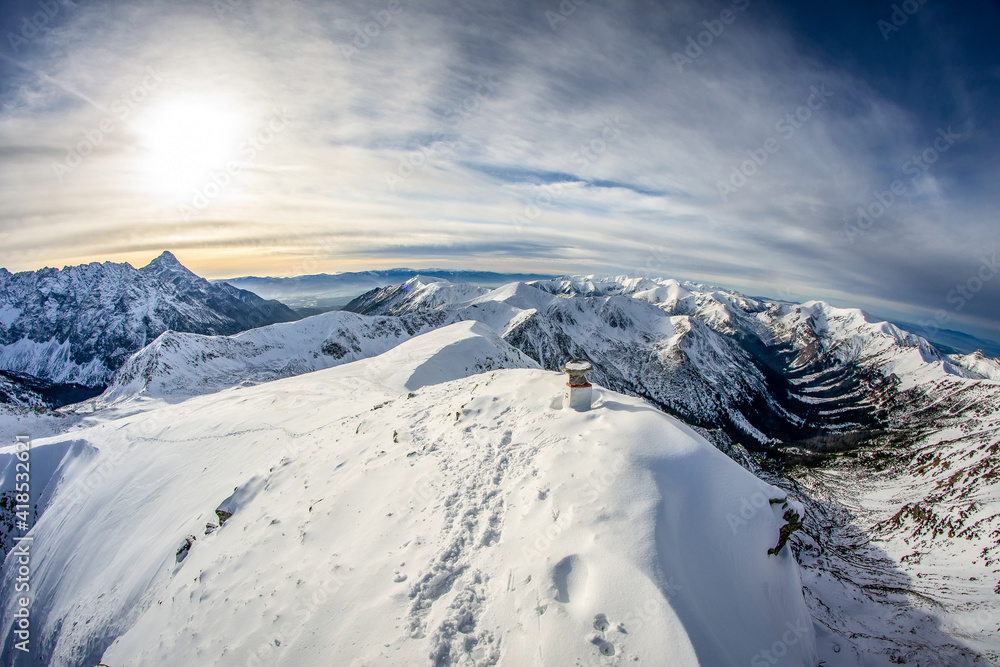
[386, 513]
[847, 334]
[715, 305]
[179, 365]
[546, 327]
[710, 355]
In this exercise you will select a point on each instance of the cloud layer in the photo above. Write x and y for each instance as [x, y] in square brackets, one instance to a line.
[729, 142]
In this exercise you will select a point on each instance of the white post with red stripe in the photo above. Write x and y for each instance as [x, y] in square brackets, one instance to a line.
[579, 394]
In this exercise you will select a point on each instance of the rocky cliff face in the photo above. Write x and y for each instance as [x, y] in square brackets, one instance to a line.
[79, 324]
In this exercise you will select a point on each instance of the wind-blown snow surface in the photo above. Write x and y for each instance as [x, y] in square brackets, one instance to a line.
[387, 513]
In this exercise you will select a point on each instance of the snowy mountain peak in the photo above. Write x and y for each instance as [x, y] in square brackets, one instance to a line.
[167, 268]
[81, 323]
[165, 260]
[420, 280]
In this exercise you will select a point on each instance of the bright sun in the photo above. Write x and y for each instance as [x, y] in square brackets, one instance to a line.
[186, 139]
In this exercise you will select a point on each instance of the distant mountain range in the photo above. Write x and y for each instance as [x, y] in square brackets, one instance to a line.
[950, 340]
[314, 294]
[78, 325]
[776, 372]
[323, 292]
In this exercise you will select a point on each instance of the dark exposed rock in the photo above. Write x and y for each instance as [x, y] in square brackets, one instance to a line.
[79, 324]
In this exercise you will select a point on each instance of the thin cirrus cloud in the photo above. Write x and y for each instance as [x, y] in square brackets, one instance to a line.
[518, 135]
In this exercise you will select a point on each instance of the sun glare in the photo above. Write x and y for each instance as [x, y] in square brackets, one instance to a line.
[186, 139]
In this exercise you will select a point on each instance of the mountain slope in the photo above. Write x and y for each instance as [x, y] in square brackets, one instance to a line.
[177, 366]
[382, 515]
[80, 324]
[909, 524]
[889, 441]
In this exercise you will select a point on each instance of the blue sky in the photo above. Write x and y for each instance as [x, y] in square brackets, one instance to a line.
[843, 151]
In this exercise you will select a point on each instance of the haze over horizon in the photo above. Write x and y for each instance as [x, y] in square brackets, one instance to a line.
[731, 143]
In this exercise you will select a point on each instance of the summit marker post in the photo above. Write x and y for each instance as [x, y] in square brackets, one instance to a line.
[579, 393]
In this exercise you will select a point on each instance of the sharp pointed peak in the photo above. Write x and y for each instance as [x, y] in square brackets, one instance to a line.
[166, 263]
[165, 257]
[165, 260]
